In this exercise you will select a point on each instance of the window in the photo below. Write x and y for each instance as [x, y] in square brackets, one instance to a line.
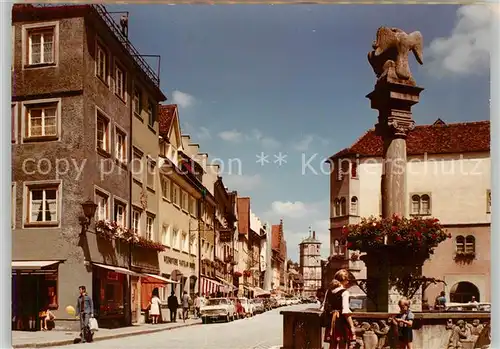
[184, 242]
[120, 81]
[150, 227]
[176, 195]
[470, 244]
[151, 114]
[102, 63]
[120, 213]
[166, 188]
[460, 244]
[120, 146]
[41, 48]
[354, 169]
[136, 220]
[175, 236]
[165, 235]
[137, 102]
[185, 202]
[136, 165]
[191, 205]
[354, 206]
[41, 119]
[343, 207]
[13, 205]
[420, 204]
[488, 201]
[102, 200]
[43, 204]
[102, 132]
[13, 120]
[336, 205]
[151, 175]
[342, 168]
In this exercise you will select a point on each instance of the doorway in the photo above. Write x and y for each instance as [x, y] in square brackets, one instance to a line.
[462, 292]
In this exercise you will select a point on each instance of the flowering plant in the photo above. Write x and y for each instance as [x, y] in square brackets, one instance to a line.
[418, 235]
[113, 231]
[106, 229]
[146, 243]
[247, 273]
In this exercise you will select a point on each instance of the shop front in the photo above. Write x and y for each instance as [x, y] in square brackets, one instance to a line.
[34, 289]
[180, 268]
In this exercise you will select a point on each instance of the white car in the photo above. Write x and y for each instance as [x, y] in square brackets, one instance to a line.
[248, 306]
[281, 302]
[217, 309]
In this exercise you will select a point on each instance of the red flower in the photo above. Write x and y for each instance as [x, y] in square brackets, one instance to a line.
[398, 238]
[349, 245]
[418, 235]
[394, 228]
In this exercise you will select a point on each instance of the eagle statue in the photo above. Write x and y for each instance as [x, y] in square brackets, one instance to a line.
[389, 57]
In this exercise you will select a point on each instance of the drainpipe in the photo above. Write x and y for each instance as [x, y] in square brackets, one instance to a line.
[128, 309]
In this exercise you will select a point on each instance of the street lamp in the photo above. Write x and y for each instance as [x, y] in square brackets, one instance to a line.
[89, 208]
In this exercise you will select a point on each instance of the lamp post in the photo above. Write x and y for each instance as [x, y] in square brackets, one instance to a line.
[89, 208]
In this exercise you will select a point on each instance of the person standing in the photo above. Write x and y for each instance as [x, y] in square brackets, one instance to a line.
[185, 306]
[404, 321]
[440, 303]
[173, 305]
[197, 305]
[154, 306]
[85, 310]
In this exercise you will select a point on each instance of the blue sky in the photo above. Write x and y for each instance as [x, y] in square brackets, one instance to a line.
[293, 79]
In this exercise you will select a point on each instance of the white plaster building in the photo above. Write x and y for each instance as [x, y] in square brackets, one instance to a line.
[310, 264]
[448, 177]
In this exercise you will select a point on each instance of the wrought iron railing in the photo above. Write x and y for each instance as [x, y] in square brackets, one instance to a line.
[115, 29]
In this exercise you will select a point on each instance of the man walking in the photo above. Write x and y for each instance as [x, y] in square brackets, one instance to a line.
[197, 305]
[173, 305]
[84, 309]
[185, 306]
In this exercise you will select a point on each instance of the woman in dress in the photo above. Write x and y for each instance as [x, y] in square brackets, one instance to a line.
[154, 304]
[340, 329]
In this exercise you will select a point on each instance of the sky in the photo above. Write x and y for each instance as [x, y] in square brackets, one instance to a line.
[287, 84]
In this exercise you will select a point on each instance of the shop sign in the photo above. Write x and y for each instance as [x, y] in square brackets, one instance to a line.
[179, 263]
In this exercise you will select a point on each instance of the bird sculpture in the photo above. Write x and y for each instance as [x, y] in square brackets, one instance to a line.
[389, 57]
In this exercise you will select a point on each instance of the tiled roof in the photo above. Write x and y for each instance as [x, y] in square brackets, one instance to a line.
[243, 215]
[438, 138]
[166, 114]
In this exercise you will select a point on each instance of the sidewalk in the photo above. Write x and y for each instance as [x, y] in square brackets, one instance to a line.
[43, 339]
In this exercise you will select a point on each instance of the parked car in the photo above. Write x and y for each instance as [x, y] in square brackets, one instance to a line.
[248, 306]
[258, 304]
[268, 304]
[217, 309]
[468, 307]
[238, 308]
[281, 302]
[274, 302]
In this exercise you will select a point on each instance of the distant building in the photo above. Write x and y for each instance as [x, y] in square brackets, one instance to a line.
[310, 264]
[278, 258]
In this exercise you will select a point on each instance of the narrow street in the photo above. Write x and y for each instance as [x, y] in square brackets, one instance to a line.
[263, 331]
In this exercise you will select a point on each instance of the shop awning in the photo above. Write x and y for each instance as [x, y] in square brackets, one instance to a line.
[33, 265]
[258, 292]
[154, 279]
[119, 270]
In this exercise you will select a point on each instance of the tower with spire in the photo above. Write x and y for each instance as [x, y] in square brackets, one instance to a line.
[310, 263]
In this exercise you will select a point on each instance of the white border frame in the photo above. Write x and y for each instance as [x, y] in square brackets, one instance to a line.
[48, 182]
[24, 43]
[24, 109]
[110, 202]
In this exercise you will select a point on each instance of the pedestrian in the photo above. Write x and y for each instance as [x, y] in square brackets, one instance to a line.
[45, 316]
[185, 306]
[154, 306]
[474, 302]
[173, 305]
[404, 321]
[197, 305]
[440, 303]
[340, 331]
[85, 310]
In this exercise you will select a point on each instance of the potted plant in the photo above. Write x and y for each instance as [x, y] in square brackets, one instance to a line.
[464, 257]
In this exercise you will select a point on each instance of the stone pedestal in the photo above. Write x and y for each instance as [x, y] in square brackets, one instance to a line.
[393, 99]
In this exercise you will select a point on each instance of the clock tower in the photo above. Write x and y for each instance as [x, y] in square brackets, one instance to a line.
[310, 263]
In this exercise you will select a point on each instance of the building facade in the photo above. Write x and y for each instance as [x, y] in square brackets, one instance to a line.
[448, 177]
[73, 69]
[278, 258]
[310, 264]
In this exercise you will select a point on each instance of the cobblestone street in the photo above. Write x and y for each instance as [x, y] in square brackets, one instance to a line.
[263, 331]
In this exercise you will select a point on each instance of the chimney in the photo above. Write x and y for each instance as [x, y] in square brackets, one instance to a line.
[314, 235]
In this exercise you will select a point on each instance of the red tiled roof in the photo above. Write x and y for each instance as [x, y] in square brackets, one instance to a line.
[166, 114]
[438, 138]
[243, 215]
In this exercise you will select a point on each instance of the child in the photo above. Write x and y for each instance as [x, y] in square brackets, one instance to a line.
[404, 321]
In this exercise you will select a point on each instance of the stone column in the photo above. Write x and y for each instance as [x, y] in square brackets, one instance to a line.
[393, 99]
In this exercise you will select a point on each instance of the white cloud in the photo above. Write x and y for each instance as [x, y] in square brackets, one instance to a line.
[290, 209]
[203, 134]
[231, 136]
[307, 141]
[467, 49]
[242, 182]
[184, 100]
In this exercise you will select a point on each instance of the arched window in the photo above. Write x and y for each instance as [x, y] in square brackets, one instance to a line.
[343, 207]
[354, 206]
[463, 292]
[470, 244]
[425, 204]
[415, 204]
[336, 247]
[460, 244]
[337, 207]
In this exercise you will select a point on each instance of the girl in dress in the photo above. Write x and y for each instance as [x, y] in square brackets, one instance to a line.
[340, 331]
[154, 304]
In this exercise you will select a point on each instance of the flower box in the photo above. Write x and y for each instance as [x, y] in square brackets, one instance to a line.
[464, 257]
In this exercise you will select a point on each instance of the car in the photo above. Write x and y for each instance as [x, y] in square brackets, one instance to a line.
[247, 306]
[281, 302]
[467, 307]
[217, 309]
[268, 304]
[258, 304]
[238, 308]
[273, 302]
